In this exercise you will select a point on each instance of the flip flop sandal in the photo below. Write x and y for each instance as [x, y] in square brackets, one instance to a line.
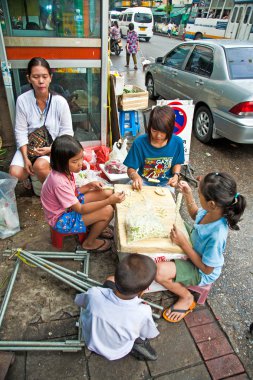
[107, 233]
[27, 183]
[104, 247]
[184, 312]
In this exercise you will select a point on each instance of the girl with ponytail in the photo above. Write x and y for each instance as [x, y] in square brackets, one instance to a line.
[221, 208]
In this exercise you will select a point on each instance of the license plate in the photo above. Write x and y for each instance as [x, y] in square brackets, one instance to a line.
[142, 29]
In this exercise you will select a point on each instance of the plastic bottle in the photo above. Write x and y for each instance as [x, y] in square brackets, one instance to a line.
[79, 18]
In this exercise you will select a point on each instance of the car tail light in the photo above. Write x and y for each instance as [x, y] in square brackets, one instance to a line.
[242, 109]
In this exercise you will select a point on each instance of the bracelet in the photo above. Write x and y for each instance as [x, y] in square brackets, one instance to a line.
[178, 174]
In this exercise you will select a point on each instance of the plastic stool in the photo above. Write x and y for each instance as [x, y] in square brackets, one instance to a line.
[129, 122]
[202, 290]
[57, 237]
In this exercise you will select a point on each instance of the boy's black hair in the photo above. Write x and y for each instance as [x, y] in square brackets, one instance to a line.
[221, 188]
[162, 119]
[63, 149]
[134, 274]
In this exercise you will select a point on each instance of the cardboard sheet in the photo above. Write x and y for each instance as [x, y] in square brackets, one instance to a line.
[164, 205]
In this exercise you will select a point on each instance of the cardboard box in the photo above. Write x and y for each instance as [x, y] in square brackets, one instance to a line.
[119, 82]
[137, 100]
[119, 85]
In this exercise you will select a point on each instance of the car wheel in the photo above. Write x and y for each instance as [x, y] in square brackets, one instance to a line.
[203, 124]
[147, 39]
[198, 36]
[151, 87]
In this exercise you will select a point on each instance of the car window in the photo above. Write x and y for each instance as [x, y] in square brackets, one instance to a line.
[129, 17]
[125, 17]
[240, 62]
[201, 61]
[145, 18]
[177, 56]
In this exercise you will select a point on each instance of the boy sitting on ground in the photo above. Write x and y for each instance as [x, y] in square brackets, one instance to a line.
[115, 322]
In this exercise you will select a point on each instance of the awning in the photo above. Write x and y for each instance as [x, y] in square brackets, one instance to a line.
[177, 12]
[161, 13]
[160, 8]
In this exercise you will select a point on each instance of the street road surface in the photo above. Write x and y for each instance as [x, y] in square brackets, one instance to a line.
[231, 297]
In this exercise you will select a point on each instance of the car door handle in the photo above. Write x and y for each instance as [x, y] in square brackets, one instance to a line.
[174, 73]
[199, 81]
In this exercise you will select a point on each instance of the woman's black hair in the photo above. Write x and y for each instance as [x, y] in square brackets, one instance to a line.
[116, 24]
[38, 61]
[131, 26]
[162, 119]
[134, 274]
[222, 189]
[63, 149]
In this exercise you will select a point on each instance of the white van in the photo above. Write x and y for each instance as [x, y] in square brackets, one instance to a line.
[143, 21]
[114, 16]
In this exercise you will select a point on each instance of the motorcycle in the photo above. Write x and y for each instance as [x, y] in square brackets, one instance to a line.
[116, 46]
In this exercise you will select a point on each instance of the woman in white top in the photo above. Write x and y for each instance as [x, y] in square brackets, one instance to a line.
[31, 110]
[115, 31]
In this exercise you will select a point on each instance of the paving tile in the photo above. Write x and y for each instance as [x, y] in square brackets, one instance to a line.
[224, 366]
[243, 376]
[198, 372]
[199, 317]
[17, 369]
[125, 368]
[206, 332]
[175, 348]
[55, 366]
[214, 348]
[6, 358]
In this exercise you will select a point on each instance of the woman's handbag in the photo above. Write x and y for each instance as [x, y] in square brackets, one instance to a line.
[39, 138]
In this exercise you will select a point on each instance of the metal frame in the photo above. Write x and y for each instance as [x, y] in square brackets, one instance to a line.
[78, 280]
[67, 345]
[102, 63]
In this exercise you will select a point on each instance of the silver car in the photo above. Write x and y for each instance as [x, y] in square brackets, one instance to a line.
[218, 76]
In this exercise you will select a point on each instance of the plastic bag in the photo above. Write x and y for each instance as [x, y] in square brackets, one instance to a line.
[115, 167]
[119, 151]
[142, 223]
[96, 155]
[90, 157]
[9, 220]
[86, 176]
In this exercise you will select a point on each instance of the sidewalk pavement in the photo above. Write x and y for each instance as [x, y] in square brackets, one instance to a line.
[42, 308]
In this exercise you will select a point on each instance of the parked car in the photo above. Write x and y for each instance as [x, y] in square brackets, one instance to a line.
[218, 76]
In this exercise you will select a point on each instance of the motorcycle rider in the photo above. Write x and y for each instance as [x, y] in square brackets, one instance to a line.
[115, 33]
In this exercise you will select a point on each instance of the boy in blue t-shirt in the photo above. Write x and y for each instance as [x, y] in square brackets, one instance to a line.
[156, 157]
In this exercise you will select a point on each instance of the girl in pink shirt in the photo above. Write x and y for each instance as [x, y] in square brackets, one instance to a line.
[69, 209]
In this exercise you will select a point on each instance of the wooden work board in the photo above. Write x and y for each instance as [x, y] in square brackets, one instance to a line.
[162, 205]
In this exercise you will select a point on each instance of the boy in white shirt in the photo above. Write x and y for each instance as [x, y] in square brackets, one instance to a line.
[115, 322]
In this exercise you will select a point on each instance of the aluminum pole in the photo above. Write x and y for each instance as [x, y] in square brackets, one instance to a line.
[8, 292]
